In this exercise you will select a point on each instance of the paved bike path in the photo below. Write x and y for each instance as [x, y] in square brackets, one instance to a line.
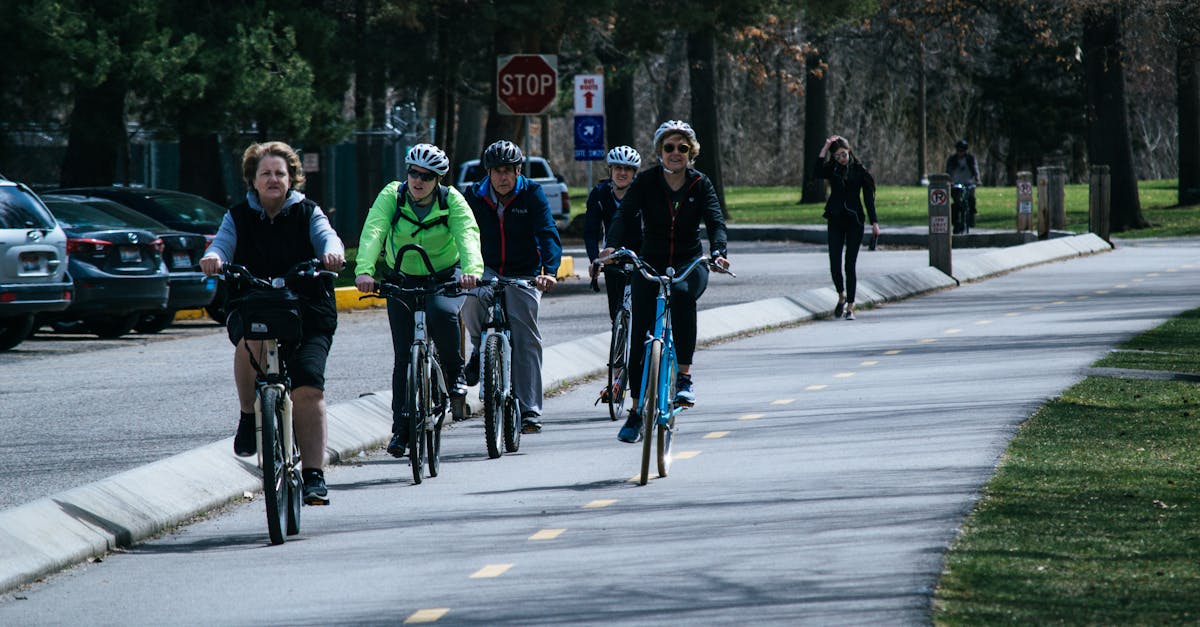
[67, 528]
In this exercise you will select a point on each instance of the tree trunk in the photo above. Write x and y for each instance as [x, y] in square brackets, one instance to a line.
[96, 143]
[200, 169]
[510, 127]
[1107, 115]
[816, 122]
[922, 115]
[702, 74]
[671, 86]
[1187, 78]
[468, 141]
[619, 107]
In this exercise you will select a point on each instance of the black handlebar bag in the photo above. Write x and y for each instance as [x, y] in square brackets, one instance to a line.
[266, 315]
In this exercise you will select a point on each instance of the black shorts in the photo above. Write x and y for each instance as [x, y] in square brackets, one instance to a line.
[305, 361]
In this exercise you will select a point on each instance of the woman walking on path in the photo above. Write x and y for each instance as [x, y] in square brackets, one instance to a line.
[848, 180]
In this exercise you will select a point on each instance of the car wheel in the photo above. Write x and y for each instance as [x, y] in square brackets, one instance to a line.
[155, 322]
[68, 326]
[112, 327]
[14, 330]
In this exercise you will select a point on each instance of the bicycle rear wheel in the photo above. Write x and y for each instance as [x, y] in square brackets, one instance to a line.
[493, 397]
[274, 473]
[618, 362]
[650, 402]
[418, 394]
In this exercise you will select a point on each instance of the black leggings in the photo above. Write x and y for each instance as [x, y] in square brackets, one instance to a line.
[683, 321]
[844, 232]
[441, 320]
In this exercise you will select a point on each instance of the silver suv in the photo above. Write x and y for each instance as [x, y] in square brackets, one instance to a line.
[33, 263]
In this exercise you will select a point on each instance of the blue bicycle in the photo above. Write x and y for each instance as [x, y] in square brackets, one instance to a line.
[658, 407]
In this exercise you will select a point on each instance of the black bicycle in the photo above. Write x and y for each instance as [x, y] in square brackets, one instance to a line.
[427, 398]
[271, 319]
[616, 393]
[501, 411]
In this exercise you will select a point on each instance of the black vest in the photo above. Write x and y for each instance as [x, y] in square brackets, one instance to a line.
[269, 248]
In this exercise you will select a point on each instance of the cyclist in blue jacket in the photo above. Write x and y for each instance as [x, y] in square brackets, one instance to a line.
[519, 240]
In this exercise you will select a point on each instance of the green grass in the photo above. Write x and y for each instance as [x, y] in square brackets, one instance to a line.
[1093, 516]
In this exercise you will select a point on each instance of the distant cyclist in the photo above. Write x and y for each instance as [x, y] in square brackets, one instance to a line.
[602, 203]
[519, 240]
[964, 170]
[269, 232]
[437, 218]
[663, 210]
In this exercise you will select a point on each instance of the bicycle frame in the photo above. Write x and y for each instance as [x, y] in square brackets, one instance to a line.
[271, 375]
[498, 326]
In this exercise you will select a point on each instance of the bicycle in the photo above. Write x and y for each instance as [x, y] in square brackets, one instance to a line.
[427, 398]
[617, 391]
[962, 217]
[270, 313]
[658, 407]
[501, 411]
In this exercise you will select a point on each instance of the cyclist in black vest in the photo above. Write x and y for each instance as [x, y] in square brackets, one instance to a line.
[274, 229]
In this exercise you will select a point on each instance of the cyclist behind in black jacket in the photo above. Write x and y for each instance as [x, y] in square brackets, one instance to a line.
[663, 210]
[844, 214]
[964, 170]
[271, 231]
[602, 202]
[518, 240]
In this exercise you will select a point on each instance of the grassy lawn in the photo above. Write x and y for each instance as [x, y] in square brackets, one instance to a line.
[1093, 516]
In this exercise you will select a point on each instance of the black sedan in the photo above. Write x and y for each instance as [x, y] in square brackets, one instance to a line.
[181, 253]
[118, 271]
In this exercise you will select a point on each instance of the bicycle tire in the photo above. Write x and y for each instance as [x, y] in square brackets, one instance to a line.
[493, 398]
[618, 365]
[666, 429]
[273, 466]
[416, 417]
[512, 425]
[295, 500]
[651, 410]
[438, 408]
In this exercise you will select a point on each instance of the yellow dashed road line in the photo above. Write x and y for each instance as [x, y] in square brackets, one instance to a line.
[715, 434]
[893, 352]
[1012, 314]
[927, 340]
[983, 322]
[429, 615]
[493, 570]
[843, 375]
[547, 534]
[751, 417]
[783, 401]
[814, 388]
[1101, 292]
[599, 503]
[952, 331]
[684, 455]
[867, 363]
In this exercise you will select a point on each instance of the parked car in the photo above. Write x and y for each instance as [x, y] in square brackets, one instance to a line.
[33, 268]
[536, 169]
[118, 271]
[181, 254]
[179, 211]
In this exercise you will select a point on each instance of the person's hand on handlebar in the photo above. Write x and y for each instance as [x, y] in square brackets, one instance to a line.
[365, 283]
[722, 262]
[210, 264]
[607, 252]
[334, 262]
[545, 282]
[468, 281]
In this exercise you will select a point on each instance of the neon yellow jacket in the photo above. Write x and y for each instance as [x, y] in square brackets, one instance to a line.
[448, 234]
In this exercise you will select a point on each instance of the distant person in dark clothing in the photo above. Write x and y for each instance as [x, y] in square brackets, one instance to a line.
[964, 176]
[848, 180]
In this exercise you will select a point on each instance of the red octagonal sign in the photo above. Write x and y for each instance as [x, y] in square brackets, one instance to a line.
[526, 84]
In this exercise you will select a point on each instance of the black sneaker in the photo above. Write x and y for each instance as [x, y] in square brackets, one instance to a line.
[397, 445]
[315, 492]
[245, 441]
[531, 423]
[471, 376]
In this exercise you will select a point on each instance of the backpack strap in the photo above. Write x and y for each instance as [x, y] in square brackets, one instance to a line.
[442, 191]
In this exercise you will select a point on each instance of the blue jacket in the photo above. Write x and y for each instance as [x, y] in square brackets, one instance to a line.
[524, 242]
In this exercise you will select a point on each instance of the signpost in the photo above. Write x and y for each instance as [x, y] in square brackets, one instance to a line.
[589, 119]
[526, 84]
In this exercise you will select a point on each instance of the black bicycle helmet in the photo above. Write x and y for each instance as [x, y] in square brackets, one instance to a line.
[501, 153]
[960, 144]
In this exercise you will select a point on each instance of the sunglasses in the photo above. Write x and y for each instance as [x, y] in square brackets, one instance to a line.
[424, 176]
[683, 148]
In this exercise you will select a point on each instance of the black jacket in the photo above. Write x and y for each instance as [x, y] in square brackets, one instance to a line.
[601, 209]
[669, 235]
[846, 184]
[525, 242]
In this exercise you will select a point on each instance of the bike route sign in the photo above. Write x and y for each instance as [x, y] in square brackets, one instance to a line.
[589, 137]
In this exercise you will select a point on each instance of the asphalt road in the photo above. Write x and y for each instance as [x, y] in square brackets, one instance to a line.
[820, 479]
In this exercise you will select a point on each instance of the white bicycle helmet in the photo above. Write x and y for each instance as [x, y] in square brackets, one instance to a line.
[429, 157]
[671, 126]
[500, 153]
[624, 155]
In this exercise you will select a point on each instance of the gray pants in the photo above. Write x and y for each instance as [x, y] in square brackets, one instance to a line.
[526, 340]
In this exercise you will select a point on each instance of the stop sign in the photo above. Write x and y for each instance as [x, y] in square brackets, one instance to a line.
[526, 84]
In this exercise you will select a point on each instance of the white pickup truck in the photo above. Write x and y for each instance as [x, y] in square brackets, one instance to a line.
[536, 169]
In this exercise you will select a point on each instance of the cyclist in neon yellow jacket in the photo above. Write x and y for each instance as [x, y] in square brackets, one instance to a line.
[437, 218]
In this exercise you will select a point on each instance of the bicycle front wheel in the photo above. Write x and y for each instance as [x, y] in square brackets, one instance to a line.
[666, 428]
[493, 397]
[418, 395]
[618, 365]
[650, 403]
[274, 473]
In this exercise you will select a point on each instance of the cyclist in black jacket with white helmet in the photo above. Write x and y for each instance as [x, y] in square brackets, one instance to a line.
[663, 210]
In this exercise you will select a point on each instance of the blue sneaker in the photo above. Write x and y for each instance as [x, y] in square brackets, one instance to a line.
[631, 432]
[683, 390]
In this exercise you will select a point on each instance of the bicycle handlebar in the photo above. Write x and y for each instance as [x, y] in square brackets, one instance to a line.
[650, 274]
[387, 289]
[503, 282]
[303, 270]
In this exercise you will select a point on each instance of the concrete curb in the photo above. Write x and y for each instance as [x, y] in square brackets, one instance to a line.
[67, 528]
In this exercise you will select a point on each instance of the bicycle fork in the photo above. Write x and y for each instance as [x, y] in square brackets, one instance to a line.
[270, 372]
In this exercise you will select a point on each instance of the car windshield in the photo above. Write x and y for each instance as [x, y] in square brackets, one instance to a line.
[20, 210]
[536, 170]
[78, 215]
[474, 173]
[122, 216]
[190, 209]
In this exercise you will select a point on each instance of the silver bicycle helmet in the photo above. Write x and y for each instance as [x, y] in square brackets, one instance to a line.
[624, 155]
[671, 126]
[429, 157]
[501, 153]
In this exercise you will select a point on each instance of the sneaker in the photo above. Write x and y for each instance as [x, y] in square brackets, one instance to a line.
[398, 445]
[458, 388]
[531, 423]
[315, 492]
[849, 311]
[631, 431]
[471, 375]
[245, 441]
[839, 308]
[683, 390]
